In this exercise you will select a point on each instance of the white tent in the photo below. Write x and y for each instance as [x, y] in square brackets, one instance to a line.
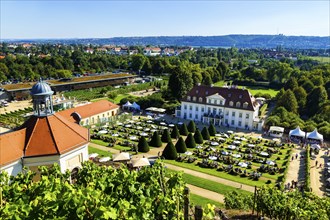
[121, 156]
[276, 131]
[127, 105]
[315, 135]
[135, 106]
[297, 132]
[315, 146]
[140, 162]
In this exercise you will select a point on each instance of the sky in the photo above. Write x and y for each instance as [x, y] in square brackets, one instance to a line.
[23, 19]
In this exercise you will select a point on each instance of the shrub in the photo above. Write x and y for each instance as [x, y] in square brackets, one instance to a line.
[268, 182]
[170, 152]
[180, 146]
[212, 130]
[166, 137]
[190, 141]
[205, 134]
[175, 133]
[198, 137]
[143, 145]
[184, 130]
[155, 140]
[192, 127]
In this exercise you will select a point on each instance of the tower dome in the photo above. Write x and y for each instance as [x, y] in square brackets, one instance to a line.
[41, 88]
[42, 99]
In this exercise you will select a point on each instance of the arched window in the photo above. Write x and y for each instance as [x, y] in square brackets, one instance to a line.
[200, 99]
[194, 98]
[231, 103]
[245, 105]
[238, 104]
[188, 98]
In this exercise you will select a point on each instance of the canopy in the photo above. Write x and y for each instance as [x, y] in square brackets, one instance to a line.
[136, 106]
[121, 156]
[315, 135]
[154, 109]
[276, 128]
[140, 162]
[315, 146]
[297, 132]
[127, 104]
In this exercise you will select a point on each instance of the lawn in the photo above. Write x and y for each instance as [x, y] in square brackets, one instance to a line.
[255, 89]
[119, 97]
[202, 201]
[321, 59]
[216, 173]
[101, 153]
[209, 184]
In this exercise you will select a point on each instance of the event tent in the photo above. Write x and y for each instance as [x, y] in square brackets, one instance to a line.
[127, 105]
[135, 106]
[314, 135]
[276, 131]
[297, 132]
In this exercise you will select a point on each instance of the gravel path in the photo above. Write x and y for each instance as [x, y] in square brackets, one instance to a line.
[296, 169]
[317, 174]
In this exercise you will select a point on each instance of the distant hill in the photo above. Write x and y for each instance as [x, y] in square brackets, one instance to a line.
[240, 41]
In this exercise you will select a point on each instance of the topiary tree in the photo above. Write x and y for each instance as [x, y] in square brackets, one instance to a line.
[175, 132]
[198, 137]
[180, 146]
[190, 141]
[143, 145]
[184, 130]
[205, 134]
[155, 140]
[212, 130]
[170, 152]
[166, 137]
[192, 127]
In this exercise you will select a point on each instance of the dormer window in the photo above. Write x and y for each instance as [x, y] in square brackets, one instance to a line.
[206, 92]
[197, 91]
[238, 104]
[231, 103]
[245, 105]
[240, 96]
[229, 95]
[200, 99]
[194, 98]
[188, 98]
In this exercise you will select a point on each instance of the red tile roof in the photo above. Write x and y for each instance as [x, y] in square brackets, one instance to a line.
[11, 146]
[42, 136]
[228, 93]
[89, 110]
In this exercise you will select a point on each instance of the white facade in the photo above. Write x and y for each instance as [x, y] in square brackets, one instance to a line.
[217, 112]
[13, 168]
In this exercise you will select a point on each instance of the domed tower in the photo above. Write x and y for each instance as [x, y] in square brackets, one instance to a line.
[42, 99]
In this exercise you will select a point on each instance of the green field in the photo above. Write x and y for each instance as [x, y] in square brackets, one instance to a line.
[199, 200]
[321, 59]
[255, 89]
[101, 153]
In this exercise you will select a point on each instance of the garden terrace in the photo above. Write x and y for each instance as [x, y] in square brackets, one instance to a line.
[14, 118]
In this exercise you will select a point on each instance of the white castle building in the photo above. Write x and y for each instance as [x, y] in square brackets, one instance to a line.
[221, 106]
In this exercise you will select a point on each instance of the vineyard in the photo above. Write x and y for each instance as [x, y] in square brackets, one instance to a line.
[15, 118]
[99, 193]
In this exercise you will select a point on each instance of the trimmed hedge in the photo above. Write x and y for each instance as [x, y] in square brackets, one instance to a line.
[198, 137]
[155, 140]
[166, 137]
[180, 146]
[175, 133]
[184, 130]
[192, 127]
[212, 130]
[170, 152]
[205, 134]
[143, 145]
[190, 141]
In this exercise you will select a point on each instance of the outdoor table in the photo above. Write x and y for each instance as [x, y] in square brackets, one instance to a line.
[237, 138]
[224, 153]
[133, 138]
[264, 154]
[180, 123]
[226, 136]
[231, 147]
[115, 135]
[143, 134]
[119, 123]
[149, 121]
[93, 155]
[163, 123]
[251, 145]
[103, 132]
[242, 164]
[139, 128]
[104, 159]
[243, 139]
[188, 153]
[271, 163]
[147, 129]
[199, 147]
[237, 142]
[230, 132]
[237, 155]
[153, 130]
[213, 157]
[214, 143]
[218, 135]
[128, 126]
[171, 125]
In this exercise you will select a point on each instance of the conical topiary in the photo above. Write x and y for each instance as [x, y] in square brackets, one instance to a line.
[170, 152]
[205, 134]
[180, 146]
[143, 145]
[175, 133]
[184, 130]
[198, 137]
[190, 141]
[155, 140]
[212, 130]
[166, 137]
[192, 127]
